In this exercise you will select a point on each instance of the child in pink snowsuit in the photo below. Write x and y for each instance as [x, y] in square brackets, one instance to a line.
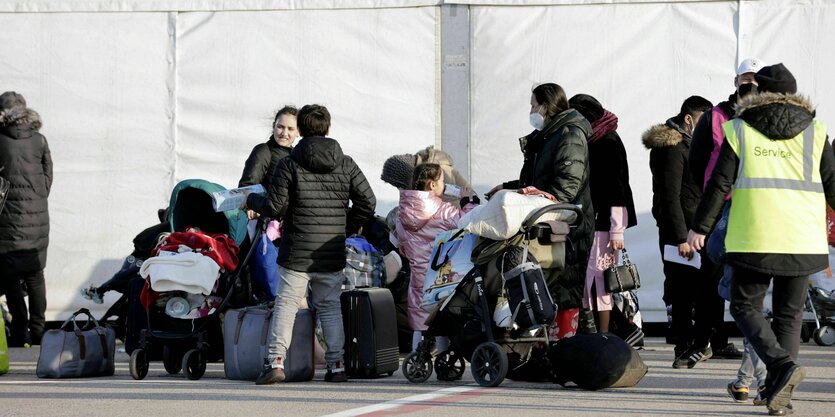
[423, 216]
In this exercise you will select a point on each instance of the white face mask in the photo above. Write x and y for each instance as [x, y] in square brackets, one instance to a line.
[537, 121]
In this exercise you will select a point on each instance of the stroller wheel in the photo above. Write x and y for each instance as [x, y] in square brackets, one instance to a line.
[171, 360]
[194, 364]
[449, 366]
[417, 367]
[489, 364]
[138, 364]
[825, 336]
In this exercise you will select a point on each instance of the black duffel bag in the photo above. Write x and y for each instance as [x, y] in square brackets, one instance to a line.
[596, 361]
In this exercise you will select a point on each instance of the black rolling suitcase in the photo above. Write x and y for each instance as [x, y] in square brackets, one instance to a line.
[370, 323]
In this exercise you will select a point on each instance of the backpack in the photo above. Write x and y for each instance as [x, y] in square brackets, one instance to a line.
[528, 297]
[364, 266]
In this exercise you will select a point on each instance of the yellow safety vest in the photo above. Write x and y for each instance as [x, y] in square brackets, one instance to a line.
[778, 201]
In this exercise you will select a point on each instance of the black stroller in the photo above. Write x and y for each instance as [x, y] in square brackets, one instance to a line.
[466, 315]
[189, 343]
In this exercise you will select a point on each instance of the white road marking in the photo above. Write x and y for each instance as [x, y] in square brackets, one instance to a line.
[398, 403]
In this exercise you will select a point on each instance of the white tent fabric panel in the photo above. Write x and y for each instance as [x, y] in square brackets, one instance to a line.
[799, 35]
[373, 69]
[640, 60]
[53, 6]
[104, 97]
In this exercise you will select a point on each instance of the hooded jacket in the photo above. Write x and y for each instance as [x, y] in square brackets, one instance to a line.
[27, 165]
[779, 117]
[556, 161]
[262, 161]
[310, 192]
[674, 193]
[422, 217]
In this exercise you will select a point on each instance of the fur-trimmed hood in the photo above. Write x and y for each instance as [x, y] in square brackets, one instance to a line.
[778, 116]
[20, 116]
[663, 135]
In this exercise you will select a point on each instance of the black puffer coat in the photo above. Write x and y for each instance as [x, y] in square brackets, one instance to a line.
[27, 165]
[779, 117]
[310, 192]
[556, 161]
[262, 161]
[674, 193]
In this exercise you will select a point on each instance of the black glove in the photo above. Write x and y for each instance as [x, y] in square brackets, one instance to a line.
[470, 200]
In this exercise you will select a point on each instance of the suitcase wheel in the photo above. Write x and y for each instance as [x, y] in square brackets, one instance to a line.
[417, 367]
[138, 364]
[489, 364]
[194, 364]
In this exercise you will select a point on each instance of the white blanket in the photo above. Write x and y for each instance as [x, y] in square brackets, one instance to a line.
[188, 271]
[504, 213]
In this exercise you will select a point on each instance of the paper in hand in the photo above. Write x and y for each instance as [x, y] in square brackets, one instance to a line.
[671, 255]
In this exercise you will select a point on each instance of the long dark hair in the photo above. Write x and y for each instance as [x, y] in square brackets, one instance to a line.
[552, 96]
[426, 174]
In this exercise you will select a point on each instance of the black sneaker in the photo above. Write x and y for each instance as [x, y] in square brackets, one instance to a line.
[739, 394]
[762, 397]
[680, 360]
[336, 373]
[635, 337]
[728, 352]
[271, 373]
[787, 379]
[696, 355]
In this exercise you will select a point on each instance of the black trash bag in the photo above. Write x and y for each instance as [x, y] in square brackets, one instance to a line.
[596, 361]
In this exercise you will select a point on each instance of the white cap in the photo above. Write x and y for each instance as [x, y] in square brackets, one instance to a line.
[750, 65]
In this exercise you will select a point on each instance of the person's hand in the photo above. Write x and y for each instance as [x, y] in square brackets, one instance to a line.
[252, 215]
[696, 240]
[495, 189]
[685, 250]
[616, 245]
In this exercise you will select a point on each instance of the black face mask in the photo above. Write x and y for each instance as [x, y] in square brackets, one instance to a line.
[746, 89]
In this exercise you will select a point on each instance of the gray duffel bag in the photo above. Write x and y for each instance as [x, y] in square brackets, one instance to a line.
[245, 333]
[75, 351]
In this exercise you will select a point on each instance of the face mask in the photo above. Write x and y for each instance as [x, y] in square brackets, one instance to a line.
[746, 89]
[537, 121]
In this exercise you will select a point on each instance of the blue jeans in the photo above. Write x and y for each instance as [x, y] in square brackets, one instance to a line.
[325, 289]
[752, 368]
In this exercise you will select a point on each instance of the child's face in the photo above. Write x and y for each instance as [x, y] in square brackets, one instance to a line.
[438, 185]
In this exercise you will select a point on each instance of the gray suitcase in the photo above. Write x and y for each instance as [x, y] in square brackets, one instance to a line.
[245, 334]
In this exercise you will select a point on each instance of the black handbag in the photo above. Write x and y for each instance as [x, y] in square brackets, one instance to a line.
[624, 277]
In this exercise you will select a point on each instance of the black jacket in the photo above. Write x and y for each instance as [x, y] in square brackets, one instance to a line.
[27, 165]
[556, 161]
[779, 117]
[262, 161]
[310, 192]
[701, 147]
[609, 181]
[674, 193]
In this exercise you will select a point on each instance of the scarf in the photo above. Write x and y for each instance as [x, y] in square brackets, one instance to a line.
[606, 124]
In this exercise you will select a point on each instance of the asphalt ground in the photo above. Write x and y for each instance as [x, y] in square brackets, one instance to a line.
[664, 391]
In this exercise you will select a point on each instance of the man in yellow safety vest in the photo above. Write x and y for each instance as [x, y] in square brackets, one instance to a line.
[781, 167]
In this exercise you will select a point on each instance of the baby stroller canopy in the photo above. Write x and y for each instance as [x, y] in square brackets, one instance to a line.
[191, 205]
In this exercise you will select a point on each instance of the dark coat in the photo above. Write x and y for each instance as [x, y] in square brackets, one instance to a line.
[310, 192]
[556, 161]
[262, 161]
[674, 193]
[778, 117]
[27, 165]
[609, 181]
[702, 145]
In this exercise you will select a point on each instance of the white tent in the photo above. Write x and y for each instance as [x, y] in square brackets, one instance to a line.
[138, 95]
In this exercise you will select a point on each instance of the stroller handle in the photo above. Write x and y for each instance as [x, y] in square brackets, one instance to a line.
[533, 218]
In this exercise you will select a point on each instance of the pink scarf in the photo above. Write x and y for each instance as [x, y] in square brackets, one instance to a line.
[606, 124]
